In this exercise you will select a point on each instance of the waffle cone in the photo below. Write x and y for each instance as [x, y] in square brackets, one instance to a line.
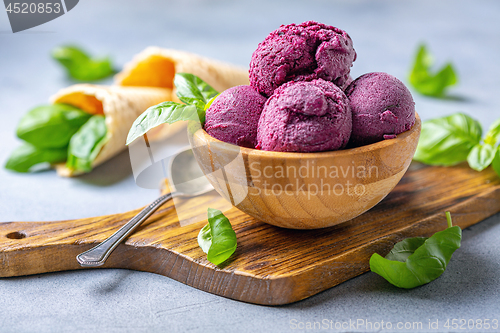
[156, 67]
[120, 105]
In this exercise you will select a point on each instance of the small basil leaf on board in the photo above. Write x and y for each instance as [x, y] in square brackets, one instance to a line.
[493, 134]
[86, 144]
[426, 82]
[166, 112]
[217, 239]
[192, 90]
[51, 126]
[417, 261]
[27, 157]
[402, 250]
[481, 156]
[205, 238]
[80, 65]
[496, 162]
[448, 140]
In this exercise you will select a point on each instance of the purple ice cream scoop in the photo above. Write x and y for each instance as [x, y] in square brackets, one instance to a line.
[234, 115]
[305, 51]
[305, 116]
[381, 106]
[347, 83]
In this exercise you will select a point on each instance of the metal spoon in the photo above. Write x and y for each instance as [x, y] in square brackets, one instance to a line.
[186, 180]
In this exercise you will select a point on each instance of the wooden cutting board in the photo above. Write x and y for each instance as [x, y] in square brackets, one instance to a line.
[271, 265]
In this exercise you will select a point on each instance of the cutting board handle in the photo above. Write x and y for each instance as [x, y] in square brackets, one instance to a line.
[40, 247]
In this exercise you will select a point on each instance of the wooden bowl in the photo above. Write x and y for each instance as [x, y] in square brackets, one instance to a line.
[304, 190]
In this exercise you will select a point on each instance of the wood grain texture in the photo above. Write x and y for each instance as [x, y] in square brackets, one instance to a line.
[271, 265]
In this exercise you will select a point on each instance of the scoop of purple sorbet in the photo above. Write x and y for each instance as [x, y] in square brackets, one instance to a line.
[346, 83]
[306, 51]
[381, 106]
[305, 116]
[234, 115]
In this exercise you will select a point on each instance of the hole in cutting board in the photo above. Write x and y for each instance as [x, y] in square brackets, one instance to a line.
[16, 235]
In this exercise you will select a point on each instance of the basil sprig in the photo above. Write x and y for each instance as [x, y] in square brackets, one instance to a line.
[80, 65]
[488, 152]
[456, 138]
[86, 144]
[217, 239]
[426, 82]
[191, 90]
[416, 261]
[57, 133]
[493, 135]
[448, 140]
[481, 156]
[28, 158]
[51, 126]
[496, 162]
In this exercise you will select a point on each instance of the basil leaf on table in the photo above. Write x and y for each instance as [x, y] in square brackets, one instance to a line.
[427, 83]
[26, 157]
[192, 90]
[86, 144]
[166, 112]
[217, 239]
[417, 261]
[448, 140]
[51, 126]
[80, 65]
[481, 156]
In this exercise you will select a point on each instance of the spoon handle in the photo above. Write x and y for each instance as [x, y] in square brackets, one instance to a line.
[97, 255]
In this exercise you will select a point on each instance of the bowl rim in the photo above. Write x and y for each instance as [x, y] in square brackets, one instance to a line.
[324, 154]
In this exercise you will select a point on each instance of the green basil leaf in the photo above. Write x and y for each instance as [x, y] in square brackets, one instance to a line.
[447, 140]
[210, 101]
[496, 162]
[86, 144]
[202, 113]
[481, 156]
[412, 265]
[402, 250]
[80, 65]
[427, 83]
[192, 90]
[217, 239]
[493, 134]
[166, 112]
[51, 126]
[27, 157]
[205, 238]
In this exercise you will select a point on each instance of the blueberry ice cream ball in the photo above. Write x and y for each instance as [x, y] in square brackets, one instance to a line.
[305, 116]
[381, 106]
[305, 51]
[234, 114]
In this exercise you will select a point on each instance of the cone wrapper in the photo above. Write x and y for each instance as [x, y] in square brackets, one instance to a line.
[120, 106]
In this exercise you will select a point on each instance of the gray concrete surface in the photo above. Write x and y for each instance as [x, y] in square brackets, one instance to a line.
[385, 35]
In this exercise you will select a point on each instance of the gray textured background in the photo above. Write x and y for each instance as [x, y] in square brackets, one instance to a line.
[385, 36]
